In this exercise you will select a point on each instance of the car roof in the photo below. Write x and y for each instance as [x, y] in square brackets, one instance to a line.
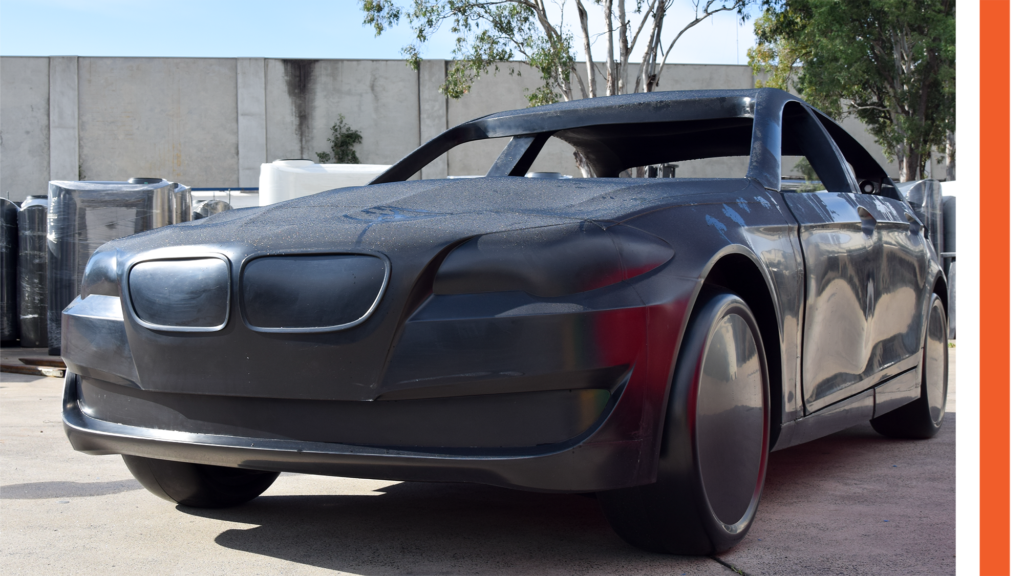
[623, 109]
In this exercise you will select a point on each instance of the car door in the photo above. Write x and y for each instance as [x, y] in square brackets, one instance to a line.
[841, 247]
[898, 328]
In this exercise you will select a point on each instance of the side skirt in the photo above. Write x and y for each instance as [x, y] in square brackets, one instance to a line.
[871, 403]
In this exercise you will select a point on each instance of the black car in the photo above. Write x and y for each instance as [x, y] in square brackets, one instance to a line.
[647, 339]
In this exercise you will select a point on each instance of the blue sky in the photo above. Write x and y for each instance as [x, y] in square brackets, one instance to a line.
[257, 28]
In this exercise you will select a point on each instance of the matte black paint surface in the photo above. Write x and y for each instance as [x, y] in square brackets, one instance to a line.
[180, 294]
[507, 285]
[310, 292]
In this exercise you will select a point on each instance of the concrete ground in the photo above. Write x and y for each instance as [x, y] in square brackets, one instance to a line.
[851, 503]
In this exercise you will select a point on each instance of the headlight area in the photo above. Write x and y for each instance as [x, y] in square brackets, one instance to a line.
[181, 294]
[529, 311]
[551, 261]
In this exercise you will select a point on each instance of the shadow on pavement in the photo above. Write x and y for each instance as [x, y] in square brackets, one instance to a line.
[45, 490]
[426, 528]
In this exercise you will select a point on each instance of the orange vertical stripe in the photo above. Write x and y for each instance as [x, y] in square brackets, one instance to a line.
[994, 322]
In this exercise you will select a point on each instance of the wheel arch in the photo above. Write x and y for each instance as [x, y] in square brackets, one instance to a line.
[737, 270]
[939, 287]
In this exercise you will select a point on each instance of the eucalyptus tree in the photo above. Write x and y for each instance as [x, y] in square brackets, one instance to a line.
[490, 34]
[890, 63]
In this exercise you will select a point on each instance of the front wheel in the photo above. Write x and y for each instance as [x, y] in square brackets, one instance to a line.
[715, 444]
[922, 418]
[198, 485]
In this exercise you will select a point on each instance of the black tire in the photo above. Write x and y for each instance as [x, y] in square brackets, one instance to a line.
[922, 418]
[198, 485]
[714, 451]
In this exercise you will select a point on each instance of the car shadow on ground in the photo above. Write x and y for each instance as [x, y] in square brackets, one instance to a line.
[426, 528]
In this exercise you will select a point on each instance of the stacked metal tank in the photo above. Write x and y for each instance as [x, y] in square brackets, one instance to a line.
[85, 215]
[8, 270]
[32, 272]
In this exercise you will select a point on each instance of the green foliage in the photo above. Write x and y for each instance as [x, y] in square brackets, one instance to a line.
[812, 183]
[343, 140]
[487, 35]
[890, 63]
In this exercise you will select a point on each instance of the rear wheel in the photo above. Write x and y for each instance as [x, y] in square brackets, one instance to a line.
[715, 443]
[922, 418]
[198, 485]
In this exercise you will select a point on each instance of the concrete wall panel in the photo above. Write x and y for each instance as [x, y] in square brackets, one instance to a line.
[433, 113]
[64, 151]
[24, 127]
[380, 98]
[175, 118]
[252, 120]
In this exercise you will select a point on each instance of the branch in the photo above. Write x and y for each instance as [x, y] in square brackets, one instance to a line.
[696, 20]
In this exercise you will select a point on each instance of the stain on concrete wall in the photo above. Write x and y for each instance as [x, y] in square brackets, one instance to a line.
[299, 81]
[380, 98]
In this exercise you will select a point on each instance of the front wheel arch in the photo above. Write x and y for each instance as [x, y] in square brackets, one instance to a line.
[736, 272]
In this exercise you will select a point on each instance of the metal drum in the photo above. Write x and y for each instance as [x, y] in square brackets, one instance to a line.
[9, 267]
[85, 215]
[32, 272]
[211, 207]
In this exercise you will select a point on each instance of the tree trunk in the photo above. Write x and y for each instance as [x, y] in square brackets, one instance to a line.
[585, 27]
[582, 165]
[950, 156]
[623, 75]
[910, 166]
[610, 37]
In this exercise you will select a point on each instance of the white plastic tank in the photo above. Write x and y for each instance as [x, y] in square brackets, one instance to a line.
[283, 180]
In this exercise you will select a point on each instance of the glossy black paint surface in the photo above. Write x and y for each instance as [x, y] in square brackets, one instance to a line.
[565, 297]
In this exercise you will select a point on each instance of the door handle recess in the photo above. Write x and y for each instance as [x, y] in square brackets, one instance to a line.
[867, 220]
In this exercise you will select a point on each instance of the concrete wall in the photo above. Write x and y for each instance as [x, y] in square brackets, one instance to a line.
[210, 122]
[380, 98]
[24, 126]
[175, 118]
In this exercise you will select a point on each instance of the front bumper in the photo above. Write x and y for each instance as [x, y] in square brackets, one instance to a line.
[544, 394]
[574, 466]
